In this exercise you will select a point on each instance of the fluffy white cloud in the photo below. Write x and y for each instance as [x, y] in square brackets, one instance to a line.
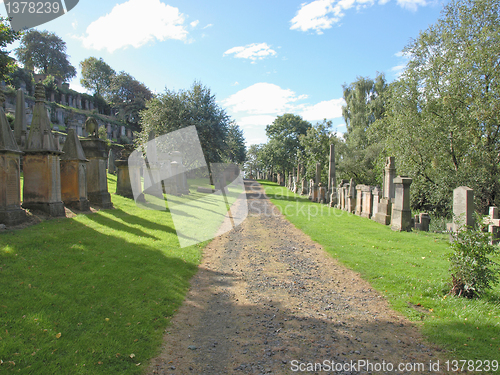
[194, 23]
[135, 23]
[255, 51]
[257, 121]
[262, 98]
[319, 15]
[411, 4]
[326, 109]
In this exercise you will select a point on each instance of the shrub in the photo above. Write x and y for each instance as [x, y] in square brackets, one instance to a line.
[472, 271]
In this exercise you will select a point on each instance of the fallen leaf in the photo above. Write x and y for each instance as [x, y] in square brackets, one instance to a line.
[107, 319]
[132, 355]
[58, 335]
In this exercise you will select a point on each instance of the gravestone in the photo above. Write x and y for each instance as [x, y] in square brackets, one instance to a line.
[111, 162]
[376, 199]
[401, 211]
[20, 122]
[97, 179]
[422, 221]
[321, 193]
[463, 207]
[367, 202]
[384, 209]
[10, 174]
[493, 224]
[74, 173]
[332, 179]
[351, 196]
[41, 167]
[303, 187]
[359, 200]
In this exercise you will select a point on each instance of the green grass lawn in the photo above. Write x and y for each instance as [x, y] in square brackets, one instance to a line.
[91, 294]
[409, 269]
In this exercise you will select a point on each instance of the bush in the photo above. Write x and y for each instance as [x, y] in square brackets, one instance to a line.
[472, 271]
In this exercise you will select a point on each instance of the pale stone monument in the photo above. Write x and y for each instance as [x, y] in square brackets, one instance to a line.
[359, 200]
[42, 171]
[367, 203]
[351, 196]
[111, 162]
[97, 179]
[332, 179]
[401, 211]
[10, 174]
[376, 199]
[74, 173]
[463, 207]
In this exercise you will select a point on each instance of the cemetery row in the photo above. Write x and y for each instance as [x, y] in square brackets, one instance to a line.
[388, 206]
[75, 177]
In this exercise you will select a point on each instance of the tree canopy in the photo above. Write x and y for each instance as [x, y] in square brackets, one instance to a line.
[7, 36]
[45, 51]
[443, 118]
[96, 75]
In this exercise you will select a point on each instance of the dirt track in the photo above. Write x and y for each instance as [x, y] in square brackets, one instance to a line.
[267, 300]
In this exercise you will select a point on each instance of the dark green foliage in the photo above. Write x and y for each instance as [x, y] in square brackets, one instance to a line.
[7, 36]
[472, 270]
[96, 75]
[45, 51]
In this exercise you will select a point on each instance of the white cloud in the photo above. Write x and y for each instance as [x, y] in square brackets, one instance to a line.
[262, 98]
[194, 23]
[258, 121]
[326, 109]
[319, 15]
[251, 51]
[209, 25]
[74, 24]
[411, 4]
[135, 23]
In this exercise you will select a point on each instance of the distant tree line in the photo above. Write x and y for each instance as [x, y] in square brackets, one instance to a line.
[440, 118]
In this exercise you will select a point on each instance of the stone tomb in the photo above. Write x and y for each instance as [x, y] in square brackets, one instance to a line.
[74, 173]
[42, 172]
[401, 211]
[97, 179]
[10, 187]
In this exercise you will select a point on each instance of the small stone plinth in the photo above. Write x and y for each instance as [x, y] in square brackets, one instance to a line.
[123, 184]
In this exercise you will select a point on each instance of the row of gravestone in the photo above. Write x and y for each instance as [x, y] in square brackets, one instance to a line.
[52, 179]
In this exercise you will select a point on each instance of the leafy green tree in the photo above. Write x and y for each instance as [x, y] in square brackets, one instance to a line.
[197, 106]
[96, 75]
[235, 143]
[365, 103]
[253, 162]
[443, 120]
[316, 146]
[284, 143]
[128, 97]
[7, 36]
[47, 52]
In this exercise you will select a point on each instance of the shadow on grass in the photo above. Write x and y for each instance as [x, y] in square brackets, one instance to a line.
[106, 296]
[136, 220]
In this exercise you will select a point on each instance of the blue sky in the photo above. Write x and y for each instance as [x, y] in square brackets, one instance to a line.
[260, 58]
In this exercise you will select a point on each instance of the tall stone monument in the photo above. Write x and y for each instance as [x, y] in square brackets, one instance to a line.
[384, 210]
[401, 211]
[20, 123]
[463, 207]
[97, 179]
[74, 173]
[10, 185]
[42, 172]
[332, 179]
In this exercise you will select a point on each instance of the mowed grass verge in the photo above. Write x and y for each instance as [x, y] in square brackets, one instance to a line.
[91, 294]
[409, 269]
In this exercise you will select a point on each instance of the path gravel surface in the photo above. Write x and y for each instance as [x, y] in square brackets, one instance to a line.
[269, 300]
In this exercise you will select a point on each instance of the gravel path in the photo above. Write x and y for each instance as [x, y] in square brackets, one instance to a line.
[267, 300]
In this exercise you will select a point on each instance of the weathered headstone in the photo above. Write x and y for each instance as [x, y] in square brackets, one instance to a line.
[401, 211]
[422, 221]
[111, 162]
[321, 193]
[367, 202]
[463, 207]
[97, 179]
[74, 173]
[351, 196]
[359, 200]
[384, 209]
[42, 171]
[10, 185]
[376, 199]
[20, 123]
